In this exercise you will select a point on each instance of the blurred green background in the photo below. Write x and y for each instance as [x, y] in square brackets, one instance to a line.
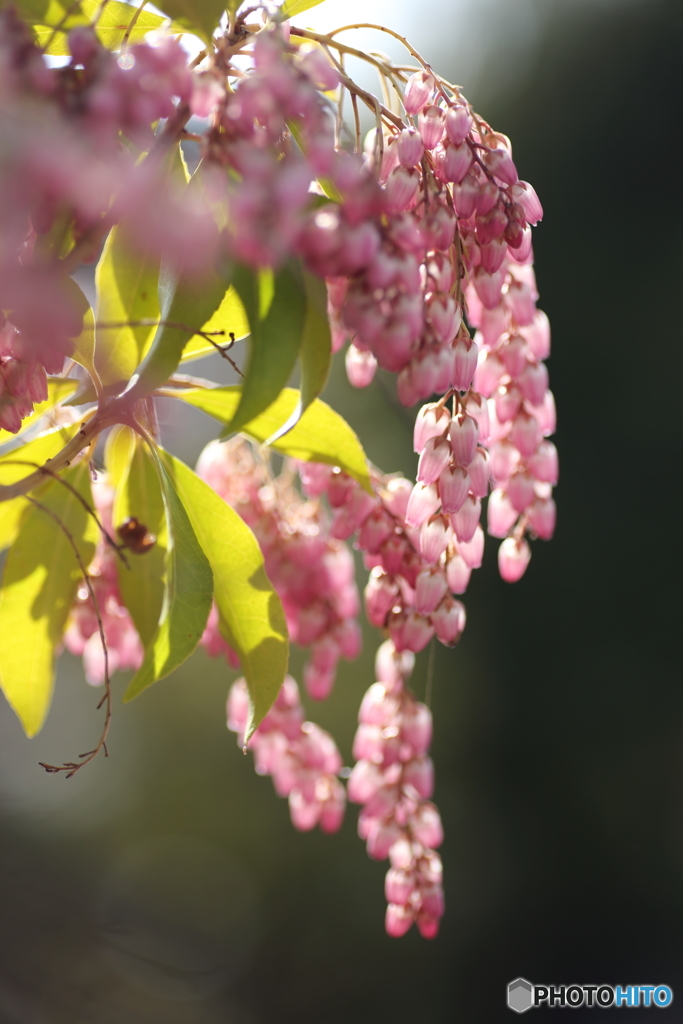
[166, 886]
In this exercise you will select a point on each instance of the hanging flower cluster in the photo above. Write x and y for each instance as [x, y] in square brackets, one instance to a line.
[420, 241]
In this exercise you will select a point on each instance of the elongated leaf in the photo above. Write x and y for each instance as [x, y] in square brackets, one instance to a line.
[249, 609]
[321, 435]
[143, 584]
[51, 13]
[38, 588]
[22, 461]
[11, 514]
[182, 302]
[292, 7]
[316, 352]
[126, 291]
[230, 318]
[198, 16]
[58, 389]
[276, 337]
[118, 453]
[187, 597]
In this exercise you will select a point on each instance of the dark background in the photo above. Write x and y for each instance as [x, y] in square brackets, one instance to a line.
[166, 884]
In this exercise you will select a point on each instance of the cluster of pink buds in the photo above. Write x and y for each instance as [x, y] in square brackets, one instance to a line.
[22, 379]
[408, 590]
[393, 779]
[82, 637]
[302, 758]
[310, 567]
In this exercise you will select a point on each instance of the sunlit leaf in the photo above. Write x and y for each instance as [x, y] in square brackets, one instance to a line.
[112, 24]
[58, 389]
[51, 13]
[138, 495]
[321, 435]
[25, 459]
[38, 588]
[292, 7]
[118, 452]
[249, 609]
[186, 303]
[187, 597]
[198, 16]
[11, 513]
[276, 337]
[230, 318]
[126, 291]
[316, 351]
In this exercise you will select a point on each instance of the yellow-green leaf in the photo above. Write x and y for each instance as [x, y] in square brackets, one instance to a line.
[138, 495]
[126, 291]
[249, 609]
[292, 7]
[38, 588]
[229, 318]
[187, 596]
[321, 435]
[118, 452]
[111, 28]
[22, 461]
[58, 389]
[11, 513]
[276, 336]
[198, 16]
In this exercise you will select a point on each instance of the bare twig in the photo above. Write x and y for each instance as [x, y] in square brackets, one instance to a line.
[175, 325]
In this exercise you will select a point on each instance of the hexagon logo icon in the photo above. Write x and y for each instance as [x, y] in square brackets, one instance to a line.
[520, 995]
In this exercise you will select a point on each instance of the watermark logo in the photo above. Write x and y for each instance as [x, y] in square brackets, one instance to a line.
[523, 995]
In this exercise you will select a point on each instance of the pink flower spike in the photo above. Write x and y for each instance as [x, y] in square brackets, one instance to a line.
[416, 729]
[428, 926]
[419, 773]
[399, 886]
[427, 827]
[419, 91]
[449, 621]
[434, 458]
[424, 502]
[381, 838]
[513, 559]
[466, 519]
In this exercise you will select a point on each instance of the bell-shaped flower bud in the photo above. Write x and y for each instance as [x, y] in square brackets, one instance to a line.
[419, 91]
[537, 335]
[521, 301]
[410, 147]
[424, 502]
[489, 287]
[466, 519]
[381, 838]
[360, 367]
[417, 632]
[399, 919]
[525, 194]
[465, 355]
[504, 458]
[533, 382]
[513, 354]
[434, 538]
[464, 434]
[392, 667]
[465, 196]
[520, 490]
[542, 517]
[500, 164]
[430, 589]
[472, 551]
[525, 433]
[381, 593]
[458, 574]
[399, 886]
[513, 559]
[458, 123]
[416, 728]
[427, 827]
[501, 514]
[432, 420]
[449, 621]
[543, 464]
[493, 255]
[444, 316]
[401, 190]
[479, 472]
[431, 125]
[454, 484]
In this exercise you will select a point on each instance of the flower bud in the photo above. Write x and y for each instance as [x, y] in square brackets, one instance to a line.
[431, 125]
[458, 124]
[465, 355]
[424, 502]
[466, 519]
[542, 517]
[419, 91]
[430, 588]
[464, 434]
[449, 621]
[360, 367]
[457, 574]
[432, 421]
[454, 484]
[434, 458]
[513, 559]
[410, 147]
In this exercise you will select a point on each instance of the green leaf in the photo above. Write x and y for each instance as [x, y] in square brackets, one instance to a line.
[11, 513]
[316, 351]
[187, 597]
[126, 290]
[292, 7]
[51, 13]
[84, 345]
[230, 317]
[58, 389]
[111, 28]
[142, 585]
[276, 336]
[118, 452]
[249, 609]
[22, 461]
[185, 302]
[198, 16]
[321, 435]
[38, 588]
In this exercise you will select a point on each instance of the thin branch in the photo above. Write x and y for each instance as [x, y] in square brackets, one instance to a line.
[131, 25]
[175, 325]
[71, 767]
